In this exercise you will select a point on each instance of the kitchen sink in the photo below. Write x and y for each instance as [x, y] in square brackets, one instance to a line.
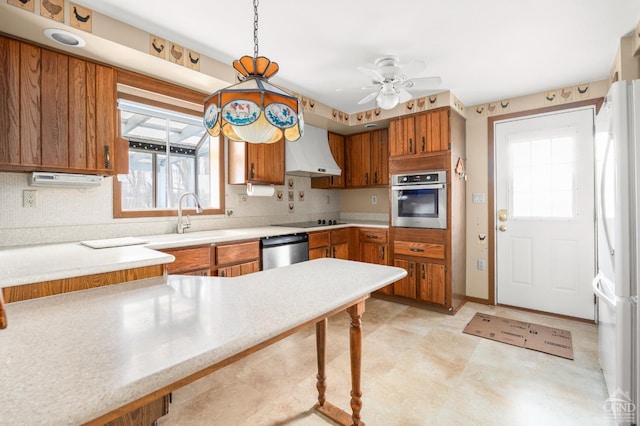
[173, 240]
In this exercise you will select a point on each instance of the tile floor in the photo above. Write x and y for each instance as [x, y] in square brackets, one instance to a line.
[418, 369]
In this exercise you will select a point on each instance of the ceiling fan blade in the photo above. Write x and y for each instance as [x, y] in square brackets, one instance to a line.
[414, 67]
[371, 96]
[404, 95]
[422, 83]
[371, 72]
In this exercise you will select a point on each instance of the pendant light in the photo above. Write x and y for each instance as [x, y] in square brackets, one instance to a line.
[254, 110]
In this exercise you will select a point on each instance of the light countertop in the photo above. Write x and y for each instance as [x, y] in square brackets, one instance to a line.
[70, 358]
[25, 265]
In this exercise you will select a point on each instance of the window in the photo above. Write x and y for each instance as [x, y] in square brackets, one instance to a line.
[170, 153]
[543, 174]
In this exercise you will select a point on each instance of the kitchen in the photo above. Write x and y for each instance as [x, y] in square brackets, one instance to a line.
[70, 214]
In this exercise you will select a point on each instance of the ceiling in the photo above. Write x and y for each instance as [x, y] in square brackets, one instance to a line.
[484, 50]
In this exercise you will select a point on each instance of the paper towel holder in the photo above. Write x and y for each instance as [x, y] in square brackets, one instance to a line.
[260, 190]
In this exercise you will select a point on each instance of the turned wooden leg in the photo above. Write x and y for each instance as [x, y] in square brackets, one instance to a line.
[355, 343]
[321, 348]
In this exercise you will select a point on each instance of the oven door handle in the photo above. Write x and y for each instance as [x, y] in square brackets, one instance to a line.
[412, 187]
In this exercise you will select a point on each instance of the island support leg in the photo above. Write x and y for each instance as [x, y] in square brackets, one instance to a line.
[321, 349]
[355, 346]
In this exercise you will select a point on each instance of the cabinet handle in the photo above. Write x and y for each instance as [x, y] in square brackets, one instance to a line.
[372, 236]
[334, 252]
[366, 178]
[253, 170]
[382, 250]
[422, 271]
[375, 178]
[326, 252]
[331, 180]
[107, 157]
[411, 270]
[416, 250]
[222, 274]
[410, 145]
[423, 144]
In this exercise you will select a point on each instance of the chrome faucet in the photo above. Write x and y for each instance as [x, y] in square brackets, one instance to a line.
[181, 226]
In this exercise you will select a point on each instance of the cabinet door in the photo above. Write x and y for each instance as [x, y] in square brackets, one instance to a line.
[340, 251]
[375, 253]
[266, 163]
[318, 252]
[406, 287]
[431, 287]
[189, 259]
[241, 269]
[336, 145]
[54, 109]
[379, 158]
[358, 160]
[256, 163]
[402, 137]
[432, 131]
[10, 119]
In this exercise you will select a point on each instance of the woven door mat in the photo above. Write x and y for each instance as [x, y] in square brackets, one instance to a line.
[536, 337]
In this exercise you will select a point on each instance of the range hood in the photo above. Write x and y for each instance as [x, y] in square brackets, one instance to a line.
[310, 155]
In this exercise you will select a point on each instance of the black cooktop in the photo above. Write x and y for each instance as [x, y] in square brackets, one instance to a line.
[311, 223]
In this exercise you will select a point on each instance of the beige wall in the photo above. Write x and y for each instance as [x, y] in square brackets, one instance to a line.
[478, 167]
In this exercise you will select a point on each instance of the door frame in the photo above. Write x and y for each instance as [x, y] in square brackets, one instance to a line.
[491, 121]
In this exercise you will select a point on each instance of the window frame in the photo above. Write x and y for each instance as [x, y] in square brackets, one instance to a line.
[161, 89]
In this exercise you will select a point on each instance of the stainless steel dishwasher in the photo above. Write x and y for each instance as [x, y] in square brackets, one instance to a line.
[283, 250]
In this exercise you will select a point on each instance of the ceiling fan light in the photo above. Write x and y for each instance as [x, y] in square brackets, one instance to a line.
[387, 99]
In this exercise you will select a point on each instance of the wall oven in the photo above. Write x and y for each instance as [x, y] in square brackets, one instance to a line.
[419, 200]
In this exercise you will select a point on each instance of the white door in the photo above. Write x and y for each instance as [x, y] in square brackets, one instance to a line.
[545, 212]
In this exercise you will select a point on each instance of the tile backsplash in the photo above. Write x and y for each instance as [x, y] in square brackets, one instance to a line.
[73, 214]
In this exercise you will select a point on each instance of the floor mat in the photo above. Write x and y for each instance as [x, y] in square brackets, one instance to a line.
[540, 338]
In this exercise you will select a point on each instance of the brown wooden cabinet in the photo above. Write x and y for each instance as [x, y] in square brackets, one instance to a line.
[374, 248]
[192, 260]
[334, 243]
[256, 163]
[367, 159]
[58, 112]
[336, 145]
[421, 133]
[235, 259]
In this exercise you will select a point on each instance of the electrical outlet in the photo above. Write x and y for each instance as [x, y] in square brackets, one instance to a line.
[29, 198]
[481, 264]
[374, 199]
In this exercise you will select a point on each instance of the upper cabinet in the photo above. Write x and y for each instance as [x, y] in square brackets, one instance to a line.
[256, 163]
[420, 134]
[367, 159]
[58, 112]
[336, 145]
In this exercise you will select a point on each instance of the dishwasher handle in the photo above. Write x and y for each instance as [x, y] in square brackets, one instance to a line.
[279, 240]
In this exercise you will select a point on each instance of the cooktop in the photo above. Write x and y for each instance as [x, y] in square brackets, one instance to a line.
[311, 223]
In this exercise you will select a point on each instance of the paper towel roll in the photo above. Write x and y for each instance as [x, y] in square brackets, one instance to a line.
[260, 190]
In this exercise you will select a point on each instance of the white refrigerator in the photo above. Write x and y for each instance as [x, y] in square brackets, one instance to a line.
[618, 222]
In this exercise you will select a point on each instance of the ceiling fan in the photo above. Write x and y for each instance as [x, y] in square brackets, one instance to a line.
[391, 83]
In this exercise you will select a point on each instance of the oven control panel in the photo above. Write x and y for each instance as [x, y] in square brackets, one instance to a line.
[420, 178]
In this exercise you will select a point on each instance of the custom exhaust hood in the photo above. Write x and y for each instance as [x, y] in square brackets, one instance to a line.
[310, 155]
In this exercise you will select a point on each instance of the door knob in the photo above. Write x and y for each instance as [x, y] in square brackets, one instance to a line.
[502, 228]
[502, 215]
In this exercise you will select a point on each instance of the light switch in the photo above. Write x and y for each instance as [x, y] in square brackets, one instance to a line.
[478, 197]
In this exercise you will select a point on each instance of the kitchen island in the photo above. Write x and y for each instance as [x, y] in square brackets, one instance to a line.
[90, 356]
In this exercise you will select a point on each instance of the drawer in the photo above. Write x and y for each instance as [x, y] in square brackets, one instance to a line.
[339, 236]
[407, 248]
[318, 239]
[373, 235]
[237, 253]
[189, 259]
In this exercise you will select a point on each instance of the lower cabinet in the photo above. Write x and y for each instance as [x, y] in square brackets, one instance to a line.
[192, 260]
[423, 254]
[334, 243]
[424, 281]
[235, 259]
[374, 248]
